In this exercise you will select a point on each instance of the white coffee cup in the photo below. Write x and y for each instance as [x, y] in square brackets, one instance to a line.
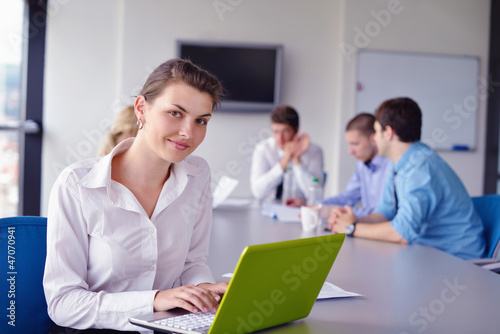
[310, 217]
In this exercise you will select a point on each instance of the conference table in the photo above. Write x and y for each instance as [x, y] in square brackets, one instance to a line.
[404, 288]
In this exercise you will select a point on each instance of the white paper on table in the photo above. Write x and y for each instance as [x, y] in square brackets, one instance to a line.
[287, 214]
[281, 212]
[236, 202]
[329, 290]
[224, 188]
[267, 209]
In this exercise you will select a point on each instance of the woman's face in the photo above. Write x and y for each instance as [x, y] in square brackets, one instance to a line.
[175, 123]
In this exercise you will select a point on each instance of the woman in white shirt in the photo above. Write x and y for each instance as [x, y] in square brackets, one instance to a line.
[128, 233]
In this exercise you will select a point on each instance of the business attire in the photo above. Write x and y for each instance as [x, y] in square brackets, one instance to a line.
[106, 258]
[364, 187]
[266, 174]
[427, 204]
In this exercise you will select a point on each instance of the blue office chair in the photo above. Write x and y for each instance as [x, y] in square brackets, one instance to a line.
[488, 208]
[22, 262]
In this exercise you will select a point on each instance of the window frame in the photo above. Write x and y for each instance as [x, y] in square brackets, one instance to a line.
[492, 174]
[30, 161]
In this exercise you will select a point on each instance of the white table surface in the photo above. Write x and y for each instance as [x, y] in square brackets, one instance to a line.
[406, 289]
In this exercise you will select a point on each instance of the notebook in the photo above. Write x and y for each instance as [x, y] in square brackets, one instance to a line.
[272, 284]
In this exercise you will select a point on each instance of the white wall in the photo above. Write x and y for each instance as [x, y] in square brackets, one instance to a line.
[81, 73]
[308, 33]
[99, 54]
[453, 27]
[150, 29]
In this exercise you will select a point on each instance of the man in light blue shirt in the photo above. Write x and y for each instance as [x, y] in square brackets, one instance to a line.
[365, 186]
[424, 202]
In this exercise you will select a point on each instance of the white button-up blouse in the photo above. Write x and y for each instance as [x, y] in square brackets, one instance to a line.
[106, 259]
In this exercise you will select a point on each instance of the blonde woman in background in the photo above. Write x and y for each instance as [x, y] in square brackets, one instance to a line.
[124, 126]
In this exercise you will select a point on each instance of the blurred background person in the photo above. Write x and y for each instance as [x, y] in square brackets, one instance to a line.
[124, 126]
[364, 189]
[285, 155]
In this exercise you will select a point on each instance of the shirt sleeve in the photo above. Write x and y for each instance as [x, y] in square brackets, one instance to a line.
[70, 302]
[362, 211]
[351, 194]
[196, 269]
[264, 177]
[386, 203]
[311, 167]
[416, 200]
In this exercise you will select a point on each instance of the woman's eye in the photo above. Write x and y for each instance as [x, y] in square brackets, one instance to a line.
[175, 113]
[202, 121]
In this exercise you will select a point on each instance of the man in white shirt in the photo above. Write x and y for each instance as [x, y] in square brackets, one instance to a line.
[286, 149]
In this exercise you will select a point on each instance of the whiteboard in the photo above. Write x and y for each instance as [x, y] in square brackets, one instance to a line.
[445, 88]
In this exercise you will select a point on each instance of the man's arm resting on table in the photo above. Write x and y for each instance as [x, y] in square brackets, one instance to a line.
[374, 226]
[373, 217]
[378, 231]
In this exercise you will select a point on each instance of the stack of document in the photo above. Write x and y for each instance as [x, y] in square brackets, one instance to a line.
[281, 212]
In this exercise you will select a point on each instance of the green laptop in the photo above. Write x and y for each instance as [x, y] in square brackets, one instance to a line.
[272, 284]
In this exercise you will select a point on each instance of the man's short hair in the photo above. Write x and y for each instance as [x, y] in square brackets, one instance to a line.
[285, 114]
[403, 115]
[363, 123]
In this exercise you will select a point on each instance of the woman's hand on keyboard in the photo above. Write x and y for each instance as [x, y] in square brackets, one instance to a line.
[217, 289]
[189, 297]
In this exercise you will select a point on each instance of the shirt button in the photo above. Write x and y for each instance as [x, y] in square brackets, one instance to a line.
[151, 230]
[151, 268]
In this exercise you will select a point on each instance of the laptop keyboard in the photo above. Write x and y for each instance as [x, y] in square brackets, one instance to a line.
[197, 322]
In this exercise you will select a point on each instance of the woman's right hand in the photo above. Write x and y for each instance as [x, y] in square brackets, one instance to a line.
[189, 297]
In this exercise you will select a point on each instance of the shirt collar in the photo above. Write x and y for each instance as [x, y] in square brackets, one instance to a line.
[100, 175]
[408, 158]
[375, 163]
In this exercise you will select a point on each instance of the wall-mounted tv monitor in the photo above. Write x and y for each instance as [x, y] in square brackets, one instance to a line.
[250, 73]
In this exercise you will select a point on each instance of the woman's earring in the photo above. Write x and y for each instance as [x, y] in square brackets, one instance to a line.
[140, 125]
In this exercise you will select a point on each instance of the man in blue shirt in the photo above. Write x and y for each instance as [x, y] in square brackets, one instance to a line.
[365, 186]
[424, 202]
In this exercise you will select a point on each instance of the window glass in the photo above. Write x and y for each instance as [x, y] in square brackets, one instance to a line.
[11, 56]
